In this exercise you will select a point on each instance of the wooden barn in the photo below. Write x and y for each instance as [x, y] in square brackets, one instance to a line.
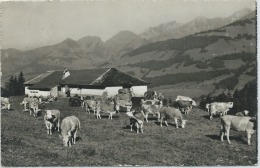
[84, 82]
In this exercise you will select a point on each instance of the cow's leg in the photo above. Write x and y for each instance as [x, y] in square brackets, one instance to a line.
[248, 137]
[158, 115]
[141, 128]
[137, 127]
[227, 132]
[161, 121]
[166, 123]
[50, 128]
[222, 132]
[58, 125]
[176, 122]
[74, 137]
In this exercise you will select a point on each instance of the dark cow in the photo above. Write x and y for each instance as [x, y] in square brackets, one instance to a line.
[183, 105]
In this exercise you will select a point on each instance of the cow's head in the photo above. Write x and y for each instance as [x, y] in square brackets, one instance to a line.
[246, 112]
[230, 104]
[193, 103]
[66, 140]
[8, 106]
[48, 114]
[183, 123]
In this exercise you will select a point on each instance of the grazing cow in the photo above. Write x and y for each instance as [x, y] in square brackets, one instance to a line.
[91, 105]
[187, 99]
[69, 128]
[238, 123]
[29, 100]
[219, 107]
[52, 119]
[5, 103]
[242, 113]
[34, 107]
[136, 119]
[106, 107]
[172, 113]
[184, 106]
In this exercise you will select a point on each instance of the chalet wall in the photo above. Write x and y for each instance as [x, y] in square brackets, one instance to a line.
[112, 91]
[139, 91]
[84, 92]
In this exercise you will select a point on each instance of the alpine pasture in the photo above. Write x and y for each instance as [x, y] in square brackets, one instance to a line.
[105, 142]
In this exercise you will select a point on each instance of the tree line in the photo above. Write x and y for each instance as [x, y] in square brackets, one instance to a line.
[14, 87]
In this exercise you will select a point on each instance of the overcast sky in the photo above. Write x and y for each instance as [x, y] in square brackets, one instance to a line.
[27, 25]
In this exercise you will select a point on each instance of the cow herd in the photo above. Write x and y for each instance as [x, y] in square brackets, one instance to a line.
[151, 104]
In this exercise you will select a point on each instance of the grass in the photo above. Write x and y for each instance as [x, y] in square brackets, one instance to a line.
[104, 142]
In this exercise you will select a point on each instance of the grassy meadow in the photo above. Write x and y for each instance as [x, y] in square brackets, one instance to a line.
[24, 141]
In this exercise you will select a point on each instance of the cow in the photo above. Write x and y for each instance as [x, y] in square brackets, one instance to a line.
[136, 119]
[5, 103]
[52, 119]
[69, 127]
[242, 113]
[186, 98]
[219, 107]
[91, 105]
[151, 109]
[34, 108]
[238, 123]
[106, 107]
[172, 113]
[29, 100]
[183, 105]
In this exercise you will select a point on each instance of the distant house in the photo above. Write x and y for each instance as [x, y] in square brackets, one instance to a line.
[84, 82]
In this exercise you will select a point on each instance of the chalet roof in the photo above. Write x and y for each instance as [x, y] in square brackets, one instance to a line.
[49, 81]
[100, 77]
[38, 78]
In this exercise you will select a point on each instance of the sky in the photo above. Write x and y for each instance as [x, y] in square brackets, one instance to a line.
[27, 25]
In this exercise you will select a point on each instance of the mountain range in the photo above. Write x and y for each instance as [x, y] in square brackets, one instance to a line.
[168, 51]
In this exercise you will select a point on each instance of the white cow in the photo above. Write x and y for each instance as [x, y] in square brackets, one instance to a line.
[185, 98]
[34, 107]
[5, 103]
[108, 108]
[52, 119]
[69, 128]
[219, 107]
[238, 123]
[29, 100]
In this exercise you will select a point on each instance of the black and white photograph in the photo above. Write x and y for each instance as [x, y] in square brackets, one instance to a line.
[116, 83]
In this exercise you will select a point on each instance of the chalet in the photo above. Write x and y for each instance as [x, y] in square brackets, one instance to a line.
[84, 82]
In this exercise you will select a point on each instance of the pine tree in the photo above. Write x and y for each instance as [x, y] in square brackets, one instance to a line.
[21, 81]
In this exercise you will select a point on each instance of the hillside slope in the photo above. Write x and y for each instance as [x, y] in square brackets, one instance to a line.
[224, 58]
